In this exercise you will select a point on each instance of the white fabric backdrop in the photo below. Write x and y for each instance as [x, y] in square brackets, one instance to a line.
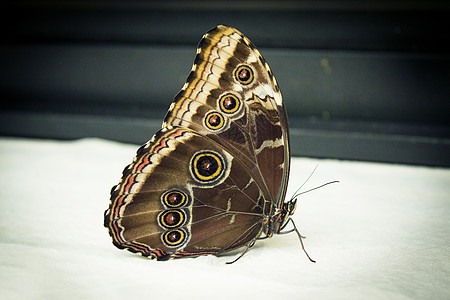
[382, 232]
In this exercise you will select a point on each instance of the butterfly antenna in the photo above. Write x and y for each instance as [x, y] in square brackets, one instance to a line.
[317, 187]
[249, 245]
[296, 194]
[307, 179]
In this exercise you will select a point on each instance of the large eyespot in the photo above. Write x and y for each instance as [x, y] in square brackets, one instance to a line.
[214, 120]
[244, 74]
[174, 199]
[172, 218]
[229, 103]
[207, 166]
[174, 238]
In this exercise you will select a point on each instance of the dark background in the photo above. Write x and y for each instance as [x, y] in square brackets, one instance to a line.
[361, 80]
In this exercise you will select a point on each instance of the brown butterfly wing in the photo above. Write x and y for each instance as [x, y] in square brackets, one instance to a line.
[229, 116]
[257, 132]
[216, 211]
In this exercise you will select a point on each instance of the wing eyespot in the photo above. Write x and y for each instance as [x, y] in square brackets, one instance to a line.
[214, 121]
[174, 238]
[244, 74]
[174, 199]
[207, 166]
[172, 218]
[229, 103]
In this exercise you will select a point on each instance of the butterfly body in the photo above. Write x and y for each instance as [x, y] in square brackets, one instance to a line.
[214, 178]
[275, 223]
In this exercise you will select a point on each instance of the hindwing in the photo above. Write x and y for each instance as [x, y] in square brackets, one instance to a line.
[184, 193]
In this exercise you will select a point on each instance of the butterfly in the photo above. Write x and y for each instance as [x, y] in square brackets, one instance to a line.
[214, 177]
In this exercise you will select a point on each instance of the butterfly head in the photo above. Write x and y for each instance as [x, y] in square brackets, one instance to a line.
[287, 211]
[290, 206]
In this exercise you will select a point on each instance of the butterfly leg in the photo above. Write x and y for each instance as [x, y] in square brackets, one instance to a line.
[289, 231]
[300, 237]
[249, 245]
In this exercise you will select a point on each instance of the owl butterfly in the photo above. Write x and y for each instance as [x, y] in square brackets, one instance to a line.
[214, 178]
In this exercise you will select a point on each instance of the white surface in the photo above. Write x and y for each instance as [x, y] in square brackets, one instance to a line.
[382, 233]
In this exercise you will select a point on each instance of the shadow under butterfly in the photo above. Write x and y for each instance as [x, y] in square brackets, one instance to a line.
[214, 178]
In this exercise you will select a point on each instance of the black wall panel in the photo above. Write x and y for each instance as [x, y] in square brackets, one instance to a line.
[365, 80]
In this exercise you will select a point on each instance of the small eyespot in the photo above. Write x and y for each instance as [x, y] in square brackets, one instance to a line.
[174, 238]
[229, 103]
[244, 74]
[174, 199]
[172, 218]
[214, 120]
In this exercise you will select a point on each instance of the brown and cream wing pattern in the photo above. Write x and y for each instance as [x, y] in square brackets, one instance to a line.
[217, 170]
[231, 96]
